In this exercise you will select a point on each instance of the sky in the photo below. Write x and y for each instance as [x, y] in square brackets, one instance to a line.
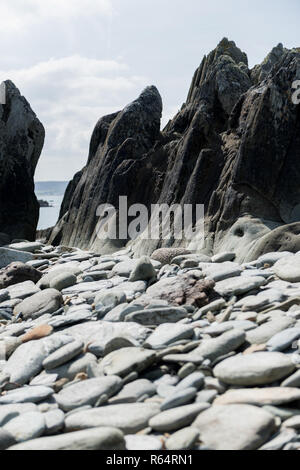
[77, 60]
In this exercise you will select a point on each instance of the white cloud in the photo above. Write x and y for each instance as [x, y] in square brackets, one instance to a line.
[17, 16]
[69, 95]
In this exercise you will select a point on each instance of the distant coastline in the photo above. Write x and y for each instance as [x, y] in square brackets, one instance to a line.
[50, 194]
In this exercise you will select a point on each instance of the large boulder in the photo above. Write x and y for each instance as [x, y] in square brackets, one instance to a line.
[21, 142]
[119, 142]
[233, 147]
[18, 272]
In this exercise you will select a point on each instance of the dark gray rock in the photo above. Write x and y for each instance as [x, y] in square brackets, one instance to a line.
[227, 135]
[21, 142]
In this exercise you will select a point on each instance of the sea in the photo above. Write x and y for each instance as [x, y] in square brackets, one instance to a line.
[53, 193]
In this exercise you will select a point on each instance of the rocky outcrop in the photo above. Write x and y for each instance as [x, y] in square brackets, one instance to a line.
[21, 143]
[234, 147]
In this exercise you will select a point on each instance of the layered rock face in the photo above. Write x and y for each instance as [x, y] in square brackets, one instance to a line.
[234, 147]
[21, 142]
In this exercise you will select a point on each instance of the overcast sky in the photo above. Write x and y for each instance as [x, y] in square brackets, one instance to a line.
[76, 60]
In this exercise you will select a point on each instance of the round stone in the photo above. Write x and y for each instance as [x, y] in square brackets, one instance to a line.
[234, 427]
[254, 369]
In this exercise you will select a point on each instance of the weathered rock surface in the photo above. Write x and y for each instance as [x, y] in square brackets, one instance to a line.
[15, 273]
[21, 142]
[233, 126]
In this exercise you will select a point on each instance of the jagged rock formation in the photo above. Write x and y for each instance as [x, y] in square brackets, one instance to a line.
[21, 142]
[234, 146]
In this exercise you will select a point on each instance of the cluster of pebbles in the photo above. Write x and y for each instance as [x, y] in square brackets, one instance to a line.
[178, 351]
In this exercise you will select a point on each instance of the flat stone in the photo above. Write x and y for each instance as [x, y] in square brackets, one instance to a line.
[31, 394]
[157, 316]
[263, 333]
[62, 281]
[195, 258]
[38, 263]
[186, 370]
[213, 348]
[271, 258]
[26, 426]
[214, 306]
[63, 355]
[39, 332]
[95, 276]
[55, 421]
[129, 418]
[192, 357]
[112, 297]
[283, 340]
[55, 273]
[8, 412]
[179, 398]
[169, 333]
[125, 268]
[87, 392]
[103, 334]
[219, 272]
[185, 439]
[281, 440]
[118, 313]
[74, 367]
[254, 369]
[234, 427]
[165, 390]
[130, 289]
[26, 362]
[8, 256]
[217, 329]
[206, 396]
[132, 391]
[196, 380]
[177, 418]
[22, 290]
[223, 257]
[288, 268]
[259, 396]
[29, 247]
[46, 301]
[72, 318]
[82, 287]
[139, 442]
[126, 360]
[239, 285]
[90, 439]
